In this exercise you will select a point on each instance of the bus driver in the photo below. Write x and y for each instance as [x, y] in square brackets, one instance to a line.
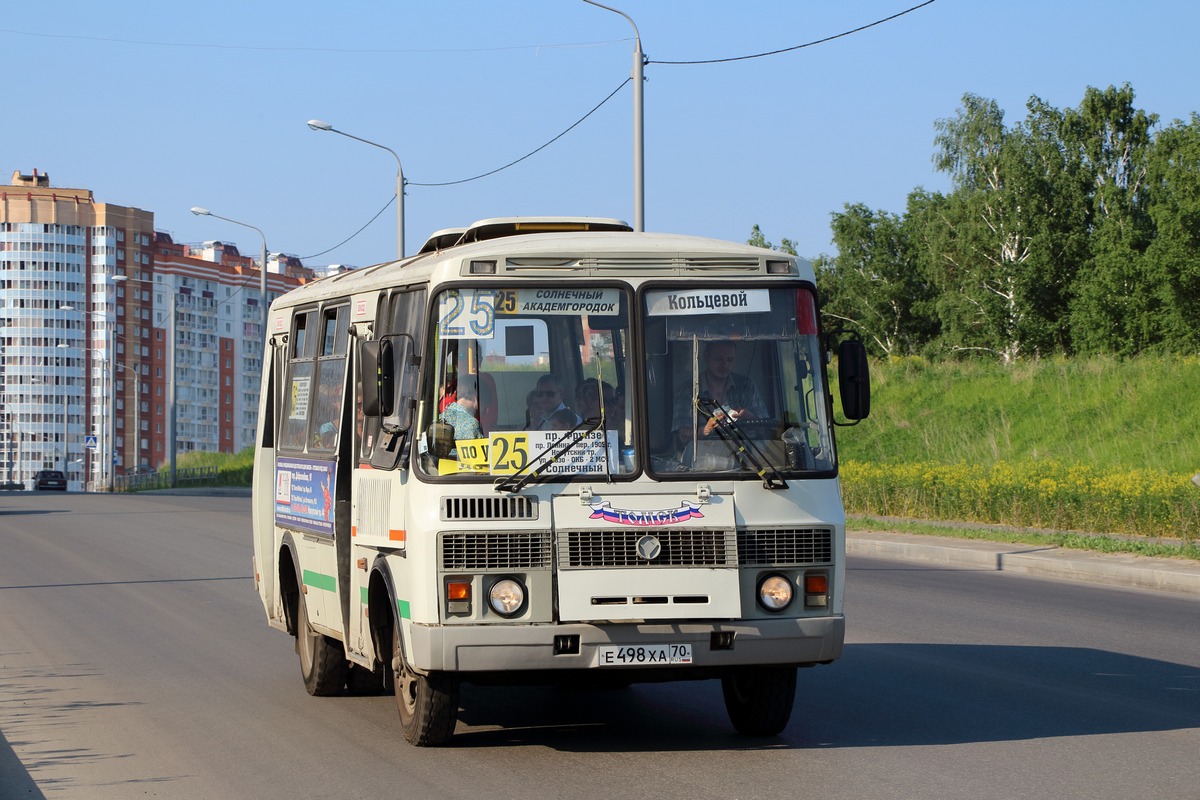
[733, 394]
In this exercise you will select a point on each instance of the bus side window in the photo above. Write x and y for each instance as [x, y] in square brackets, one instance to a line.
[331, 373]
[406, 315]
[298, 384]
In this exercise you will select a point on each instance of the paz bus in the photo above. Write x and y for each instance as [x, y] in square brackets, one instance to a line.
[555, 450]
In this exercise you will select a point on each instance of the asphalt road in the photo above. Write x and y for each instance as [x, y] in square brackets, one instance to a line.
[135, 662]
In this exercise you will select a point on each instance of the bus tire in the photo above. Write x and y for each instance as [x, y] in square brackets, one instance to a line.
[428, 704]
[322, 662]
[759, 699]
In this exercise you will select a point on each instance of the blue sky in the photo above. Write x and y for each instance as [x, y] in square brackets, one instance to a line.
[166, 105]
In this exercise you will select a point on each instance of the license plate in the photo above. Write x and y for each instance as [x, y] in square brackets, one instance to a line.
[643, 655]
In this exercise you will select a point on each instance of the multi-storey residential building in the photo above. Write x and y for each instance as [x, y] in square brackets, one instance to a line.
[90, 296]
[218, 301]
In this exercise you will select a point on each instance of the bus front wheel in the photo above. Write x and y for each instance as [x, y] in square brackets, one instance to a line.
[759, 699]
[322, 662]
[428, 704]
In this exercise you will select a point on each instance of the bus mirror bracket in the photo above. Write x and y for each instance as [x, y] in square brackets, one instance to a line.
[401, 389]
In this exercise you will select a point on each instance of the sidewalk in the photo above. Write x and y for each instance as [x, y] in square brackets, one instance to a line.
[1110, 569]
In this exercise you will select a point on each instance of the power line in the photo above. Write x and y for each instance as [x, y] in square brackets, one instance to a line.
[532, 152]
[386, 206]
[407, 182]
[285, 49]
[796, 47]
[609, 97]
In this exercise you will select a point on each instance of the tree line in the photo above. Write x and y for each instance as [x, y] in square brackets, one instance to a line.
[1074, 231]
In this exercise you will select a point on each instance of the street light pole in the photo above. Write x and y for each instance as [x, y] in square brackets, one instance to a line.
[320, 125]
[171, 336]
[66, 395]
[106, 418]
[107, 412]
[137, 414]
[106, 415]
[66, 387]
[639, 166]
[204, 212]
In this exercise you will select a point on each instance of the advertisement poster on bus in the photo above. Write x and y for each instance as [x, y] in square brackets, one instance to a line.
[304, 494]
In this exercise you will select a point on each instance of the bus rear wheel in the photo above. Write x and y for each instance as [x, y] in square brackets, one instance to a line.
[428, 704]
[322, 662]
[759, 700]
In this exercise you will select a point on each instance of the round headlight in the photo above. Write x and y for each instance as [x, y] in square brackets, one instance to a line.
[775, 593]
[506, 597]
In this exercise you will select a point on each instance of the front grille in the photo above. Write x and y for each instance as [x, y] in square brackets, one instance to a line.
[458, 509]
[785, 546]
[479, 552]
[679, 547]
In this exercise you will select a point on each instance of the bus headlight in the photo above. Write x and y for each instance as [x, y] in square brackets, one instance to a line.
[775, 593]
[506, 597]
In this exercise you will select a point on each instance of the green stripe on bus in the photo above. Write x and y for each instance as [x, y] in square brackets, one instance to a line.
[319, 581]
[402, 606]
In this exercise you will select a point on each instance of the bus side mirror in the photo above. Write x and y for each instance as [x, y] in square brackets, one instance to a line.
[378, 378]
[854, 379]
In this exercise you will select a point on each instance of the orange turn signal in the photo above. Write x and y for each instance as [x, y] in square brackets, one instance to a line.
[458, 590]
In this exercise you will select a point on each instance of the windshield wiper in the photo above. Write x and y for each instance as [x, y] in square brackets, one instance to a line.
[743, 448]
[533, 470]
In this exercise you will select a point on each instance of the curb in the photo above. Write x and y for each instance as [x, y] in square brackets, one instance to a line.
[1127, 571]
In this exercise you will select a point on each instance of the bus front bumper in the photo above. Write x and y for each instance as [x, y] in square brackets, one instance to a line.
[506, 648]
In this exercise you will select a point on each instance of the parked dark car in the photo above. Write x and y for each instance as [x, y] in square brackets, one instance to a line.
[50, 479]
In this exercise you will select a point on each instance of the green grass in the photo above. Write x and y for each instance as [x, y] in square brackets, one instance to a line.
[234, 469]
[1132, 427]
[1103, 412]
[1064, 539]
[1099, 445]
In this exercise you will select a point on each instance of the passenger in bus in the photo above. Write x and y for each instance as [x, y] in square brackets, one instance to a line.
[531, 408]
[462, 413]
[326, 436]
[735, 395]
[588, 396]
[547, 399]
[562, 420]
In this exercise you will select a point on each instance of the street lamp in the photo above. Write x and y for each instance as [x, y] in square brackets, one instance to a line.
[66, 430]
[46, 381]
[106, 445]
[137, 414]
[320, 125]
[171, 335]
[639, 167]
[204, 212]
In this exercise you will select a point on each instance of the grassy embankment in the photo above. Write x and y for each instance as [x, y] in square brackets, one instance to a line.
[232, 470]
[1085, 445]
[1081, 447]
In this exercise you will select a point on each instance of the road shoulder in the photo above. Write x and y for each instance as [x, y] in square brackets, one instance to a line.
[1130, 571]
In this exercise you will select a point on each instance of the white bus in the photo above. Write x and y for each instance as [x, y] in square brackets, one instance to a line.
[554, 450]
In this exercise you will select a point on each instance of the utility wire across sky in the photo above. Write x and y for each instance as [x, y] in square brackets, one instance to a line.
[612, 94]
[513, 163]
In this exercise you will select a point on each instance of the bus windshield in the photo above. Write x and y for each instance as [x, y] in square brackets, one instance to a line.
[538, 382]
[735, 382]
[529, 379]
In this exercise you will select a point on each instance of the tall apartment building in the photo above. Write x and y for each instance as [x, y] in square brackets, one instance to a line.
[218, 317]
[90, 296]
